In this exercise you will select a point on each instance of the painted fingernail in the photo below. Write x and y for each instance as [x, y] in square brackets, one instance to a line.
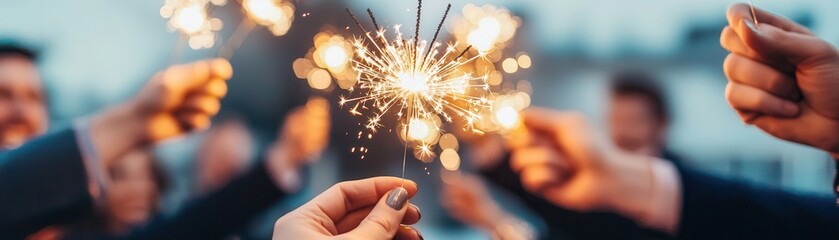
[419, 213]
[751, 25]
[397, 198]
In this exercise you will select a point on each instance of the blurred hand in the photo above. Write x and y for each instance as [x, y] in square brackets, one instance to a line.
[370, 209]
[305, 133]
[302, 139]
[175, 101]
[562, 159]
[782, 78]
[182, 98]
[466, 198]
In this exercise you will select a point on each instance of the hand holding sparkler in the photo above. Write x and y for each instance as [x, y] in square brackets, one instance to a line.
[568, 163]
[782, 78]
[175, 101]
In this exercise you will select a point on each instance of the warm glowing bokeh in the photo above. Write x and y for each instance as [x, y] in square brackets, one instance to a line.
[190, 18]
[487, 28]
[276, 15]
[331, 52]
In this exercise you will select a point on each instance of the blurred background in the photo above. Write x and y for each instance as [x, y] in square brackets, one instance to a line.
[96, 52]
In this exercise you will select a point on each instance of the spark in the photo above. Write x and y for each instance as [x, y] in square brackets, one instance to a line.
[394, 77]
[415, 81]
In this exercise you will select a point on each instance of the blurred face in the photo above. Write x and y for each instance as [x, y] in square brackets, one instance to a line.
[133, 194]
[633, 124]
[224, 154]
[22, 111]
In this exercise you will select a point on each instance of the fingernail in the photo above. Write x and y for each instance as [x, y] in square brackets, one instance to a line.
[419, 213]
[751, 25]
[397, 198]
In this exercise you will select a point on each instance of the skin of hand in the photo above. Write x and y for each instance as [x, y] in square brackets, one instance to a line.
[303, 137]
[465, 197]
[175, 101]
[562, 159]
[371, 209]
[782, 78]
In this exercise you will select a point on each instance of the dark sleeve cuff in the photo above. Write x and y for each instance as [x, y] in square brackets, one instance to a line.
[219, 213]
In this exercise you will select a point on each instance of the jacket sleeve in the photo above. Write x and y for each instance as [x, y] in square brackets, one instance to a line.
[715, 208]
[42, 182]
[220, 213]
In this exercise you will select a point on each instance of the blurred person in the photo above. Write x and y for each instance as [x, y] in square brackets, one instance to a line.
[137, 182]
[371, 209]
[465, 197]
[638, 115]
[23, 111]
[225, 211]
[779, 73]
[224, 153]
[69, 165]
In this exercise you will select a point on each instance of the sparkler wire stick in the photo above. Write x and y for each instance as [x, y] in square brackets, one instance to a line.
[449, 7]
[372, 17]
[179, 49]
[246, 26]
[754, 15]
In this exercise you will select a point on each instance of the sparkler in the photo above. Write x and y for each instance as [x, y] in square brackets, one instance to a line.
[416, 81]
[754, 16]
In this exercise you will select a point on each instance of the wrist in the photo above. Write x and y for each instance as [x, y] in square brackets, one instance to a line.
[280, 166]
[493, 217]
[115, 131]
[646, 189]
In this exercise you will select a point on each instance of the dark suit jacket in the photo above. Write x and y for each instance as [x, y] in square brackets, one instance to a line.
[712, 208]
[44, 183]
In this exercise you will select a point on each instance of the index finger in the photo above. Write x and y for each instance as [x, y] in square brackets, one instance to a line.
[541, 119]
[345, 197]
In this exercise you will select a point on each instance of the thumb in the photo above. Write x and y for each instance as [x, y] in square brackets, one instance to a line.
[384, 219]
[774, 42]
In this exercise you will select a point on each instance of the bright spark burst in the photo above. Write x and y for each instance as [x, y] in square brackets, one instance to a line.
[414, 79]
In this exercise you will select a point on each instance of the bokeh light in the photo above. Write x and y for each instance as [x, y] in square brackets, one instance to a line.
[486, 28]
[450, 159]
[276, 15]
[331, 52]
[190, 18]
